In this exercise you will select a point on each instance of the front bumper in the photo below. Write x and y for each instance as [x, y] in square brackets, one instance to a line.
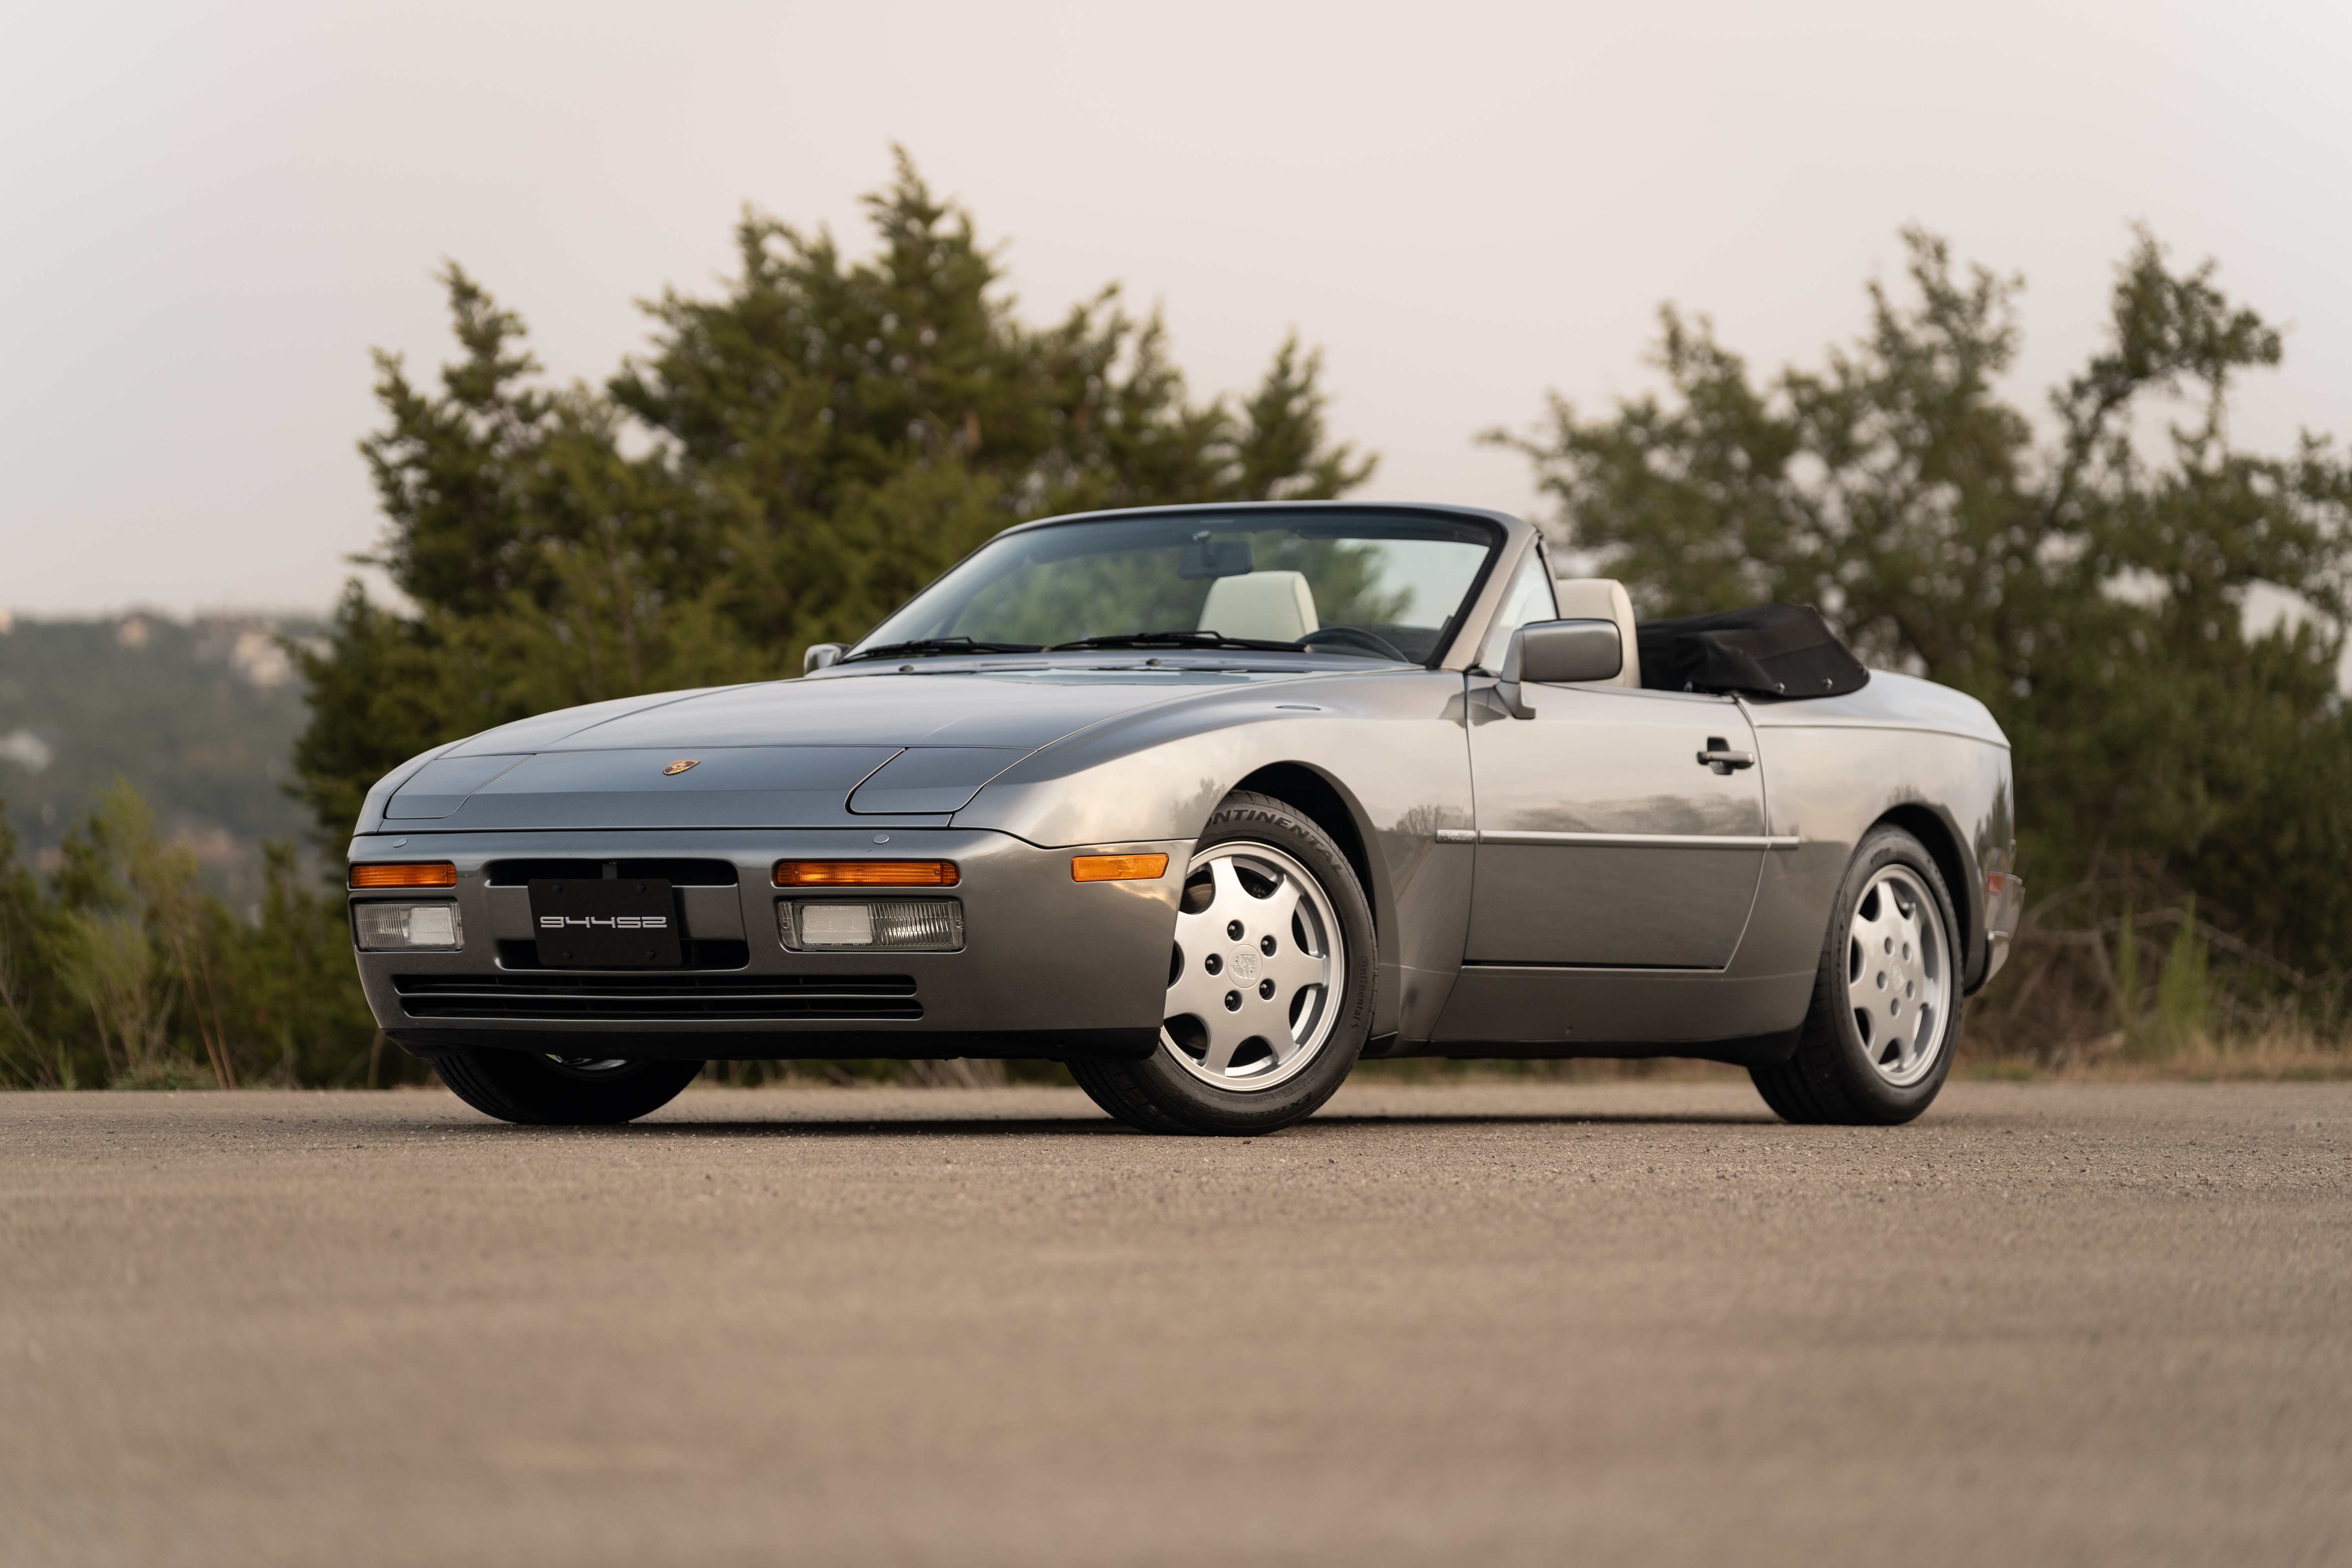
[1050, 967]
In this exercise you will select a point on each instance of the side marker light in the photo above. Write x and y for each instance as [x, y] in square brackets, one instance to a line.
[1117, 867]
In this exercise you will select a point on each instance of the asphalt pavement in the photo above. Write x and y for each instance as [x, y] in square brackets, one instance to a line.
[1558, 1324]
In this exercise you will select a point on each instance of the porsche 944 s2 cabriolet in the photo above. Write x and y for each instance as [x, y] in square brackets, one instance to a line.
[1209, 803]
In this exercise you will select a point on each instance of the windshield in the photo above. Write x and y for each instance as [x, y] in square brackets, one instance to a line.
[1370, 586]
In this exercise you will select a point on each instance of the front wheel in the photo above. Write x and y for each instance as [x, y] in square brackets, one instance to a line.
[1269, 982]
[563, 1091]
[1878, 1042]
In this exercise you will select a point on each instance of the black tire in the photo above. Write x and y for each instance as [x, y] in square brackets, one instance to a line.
[1830, 1078]
[1159, 1094]
[545, 1091]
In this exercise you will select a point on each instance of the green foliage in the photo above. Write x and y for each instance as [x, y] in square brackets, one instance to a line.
[124, 971]
[2184, 992]
[137, 949]
[2090, 591]
[2127, 983]
[36, 1008]
[792, 461]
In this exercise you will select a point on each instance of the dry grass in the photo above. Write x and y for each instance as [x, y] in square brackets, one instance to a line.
[2279, 1056]
[2276, 1056]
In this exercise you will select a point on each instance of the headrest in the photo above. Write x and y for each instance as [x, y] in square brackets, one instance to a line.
[1602, 599]
[1265, 606]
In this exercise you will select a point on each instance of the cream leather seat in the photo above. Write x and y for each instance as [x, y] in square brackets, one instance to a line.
[1265, 606]
[1602, 599]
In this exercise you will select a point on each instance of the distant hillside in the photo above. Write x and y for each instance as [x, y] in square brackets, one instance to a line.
[200, 715]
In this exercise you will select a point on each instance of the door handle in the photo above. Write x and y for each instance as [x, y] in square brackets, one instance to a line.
[1720, 757]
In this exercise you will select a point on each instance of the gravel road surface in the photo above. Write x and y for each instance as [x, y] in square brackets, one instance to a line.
[1589, 1324]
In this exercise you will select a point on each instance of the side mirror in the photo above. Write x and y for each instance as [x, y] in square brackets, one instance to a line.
[820, 654]
[1558, 653]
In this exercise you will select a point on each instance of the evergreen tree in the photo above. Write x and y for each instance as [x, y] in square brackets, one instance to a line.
[790, 462]
[2090, 593]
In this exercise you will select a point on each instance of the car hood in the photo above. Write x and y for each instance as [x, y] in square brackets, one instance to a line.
[948, 707]
[790, 753]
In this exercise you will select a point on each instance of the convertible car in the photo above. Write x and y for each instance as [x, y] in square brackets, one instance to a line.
[1209, 804]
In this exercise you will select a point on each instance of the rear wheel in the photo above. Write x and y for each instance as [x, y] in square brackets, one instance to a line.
[1878, 1042]
[1269, 982]
[551, 1091]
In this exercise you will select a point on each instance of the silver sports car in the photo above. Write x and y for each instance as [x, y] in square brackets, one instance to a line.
[1209, 803]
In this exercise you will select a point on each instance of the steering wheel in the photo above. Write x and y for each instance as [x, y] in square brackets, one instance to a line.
[1356, 636]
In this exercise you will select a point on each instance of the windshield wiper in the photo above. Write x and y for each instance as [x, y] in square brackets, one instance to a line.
[1177, 639]
[942, 644]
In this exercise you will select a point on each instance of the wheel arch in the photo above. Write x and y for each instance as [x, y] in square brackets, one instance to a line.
[1314, 794]
[1944, 844]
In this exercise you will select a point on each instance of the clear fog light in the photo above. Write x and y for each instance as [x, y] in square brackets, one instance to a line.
[385, 928]
[902, 925]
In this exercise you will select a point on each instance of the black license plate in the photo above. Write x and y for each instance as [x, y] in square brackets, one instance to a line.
[593, 923]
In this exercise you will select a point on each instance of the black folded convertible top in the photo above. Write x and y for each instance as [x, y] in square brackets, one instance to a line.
[1766, 650]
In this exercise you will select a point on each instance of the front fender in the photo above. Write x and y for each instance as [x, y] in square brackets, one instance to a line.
[1392, 747]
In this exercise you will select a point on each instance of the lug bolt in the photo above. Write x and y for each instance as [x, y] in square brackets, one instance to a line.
[1233, 1001]
[1213, 963]
[1265, 989]
[1266, 946]
[1233, 929]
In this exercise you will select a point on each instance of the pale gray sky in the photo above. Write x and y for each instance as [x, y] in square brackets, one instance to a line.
[211, 212]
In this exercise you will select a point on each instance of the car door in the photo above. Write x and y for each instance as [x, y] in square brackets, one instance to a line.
[1604, 838]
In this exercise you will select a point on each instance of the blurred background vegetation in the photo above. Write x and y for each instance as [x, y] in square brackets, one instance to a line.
[2154, 616]
[200, 716]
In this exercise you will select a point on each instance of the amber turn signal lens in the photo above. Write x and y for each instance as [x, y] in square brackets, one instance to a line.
[1117, 867]
[866, 874]
[431, 874]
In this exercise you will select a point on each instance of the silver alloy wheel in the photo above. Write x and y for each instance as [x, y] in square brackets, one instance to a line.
[1897, 975]
[1253, 989]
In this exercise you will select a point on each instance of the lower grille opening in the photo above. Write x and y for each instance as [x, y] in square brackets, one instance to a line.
[697, 953]
[556, 993]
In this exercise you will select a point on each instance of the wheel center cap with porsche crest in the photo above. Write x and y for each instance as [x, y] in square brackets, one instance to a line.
[1244, 964]
[680, 765]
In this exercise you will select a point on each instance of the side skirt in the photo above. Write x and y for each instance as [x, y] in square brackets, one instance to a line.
[1558, 1010]
[1747, 1051]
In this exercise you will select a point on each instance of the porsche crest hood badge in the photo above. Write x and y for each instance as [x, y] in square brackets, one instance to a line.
[680, 765]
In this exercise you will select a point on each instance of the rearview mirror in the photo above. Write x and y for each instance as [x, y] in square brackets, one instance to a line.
[1559, 653]
[1207, 557]
[820, 654]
